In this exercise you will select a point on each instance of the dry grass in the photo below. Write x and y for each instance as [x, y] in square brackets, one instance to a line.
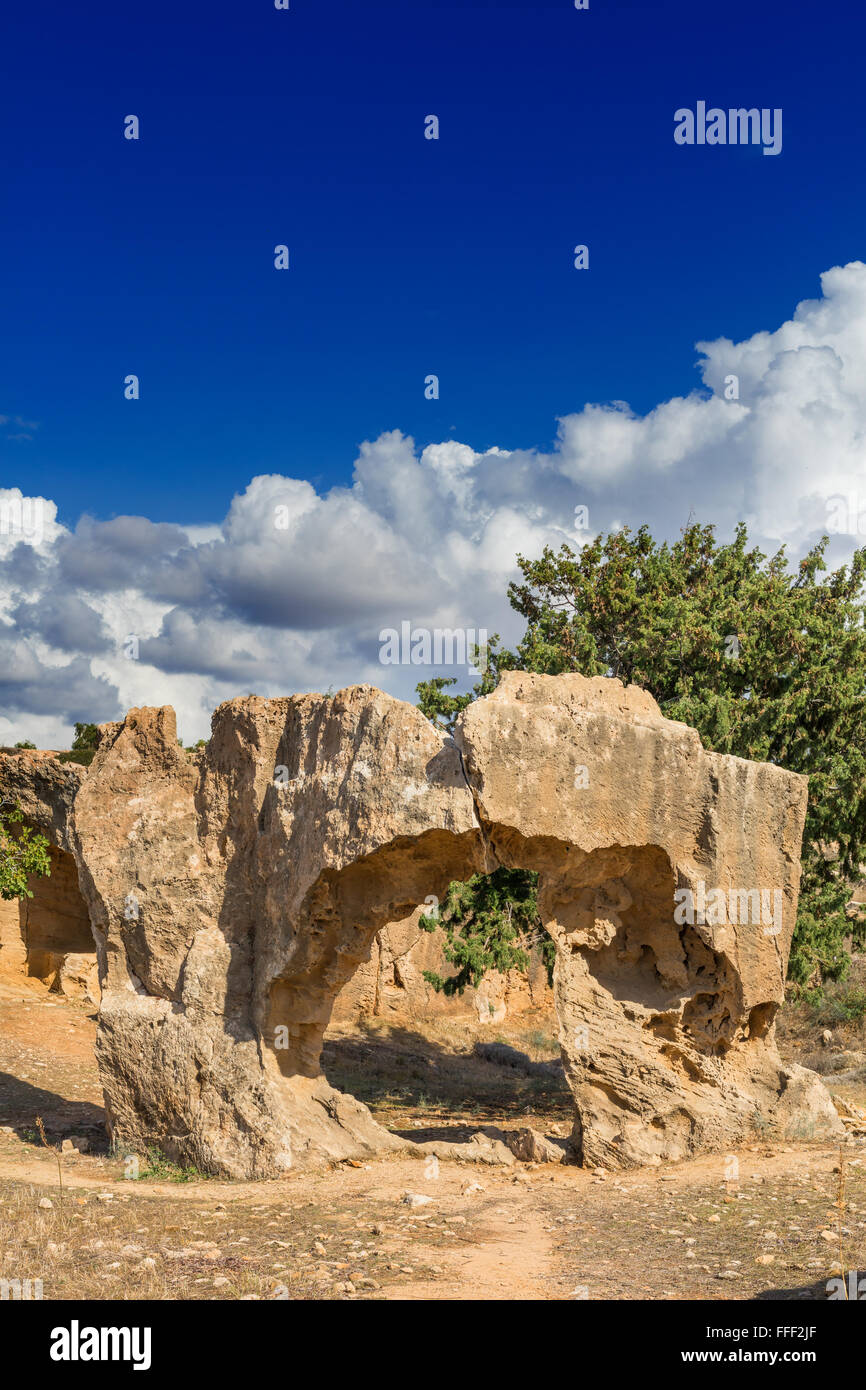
[840, 1011]
[777, 1231]
[117, 1244]
[794, 1216]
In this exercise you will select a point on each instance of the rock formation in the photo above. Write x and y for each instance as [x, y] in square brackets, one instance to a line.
[666, 1025]
[48, 936]
[233, 893]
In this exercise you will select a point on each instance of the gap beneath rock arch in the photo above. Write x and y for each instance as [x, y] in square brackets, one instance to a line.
[644, 1008]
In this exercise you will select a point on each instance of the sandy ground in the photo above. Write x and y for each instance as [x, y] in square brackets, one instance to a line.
[778, 1225]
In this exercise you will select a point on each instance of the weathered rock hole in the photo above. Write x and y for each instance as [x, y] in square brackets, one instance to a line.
[614, 906]
[338, 923]
[761, 1020]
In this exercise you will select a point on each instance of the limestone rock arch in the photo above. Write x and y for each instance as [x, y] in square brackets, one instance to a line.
[233, 892]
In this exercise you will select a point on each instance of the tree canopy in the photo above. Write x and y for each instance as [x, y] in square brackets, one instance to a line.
[86, 737]
[84, 745]
[764, 661]
[490, 922]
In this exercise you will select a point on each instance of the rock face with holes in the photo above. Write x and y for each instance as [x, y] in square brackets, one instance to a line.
[668, 880]
[234, 892]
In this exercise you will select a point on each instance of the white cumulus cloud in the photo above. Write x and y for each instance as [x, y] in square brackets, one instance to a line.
[292, 589]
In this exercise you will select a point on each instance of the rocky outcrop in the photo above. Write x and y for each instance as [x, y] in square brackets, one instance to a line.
[233, 893]
[669, 880]
[43, 789]
[48, 935]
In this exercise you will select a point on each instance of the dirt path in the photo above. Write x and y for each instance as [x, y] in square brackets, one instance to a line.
[511, 1259]
[519, 1263]
[539, 1234]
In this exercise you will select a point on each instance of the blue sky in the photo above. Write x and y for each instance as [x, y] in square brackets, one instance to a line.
[305, 388]
[408, 256]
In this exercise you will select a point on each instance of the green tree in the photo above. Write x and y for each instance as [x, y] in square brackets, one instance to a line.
[490, 922]
[84, 745]
[765, 662]
[25, 743]
[86, 738]
[23, 855]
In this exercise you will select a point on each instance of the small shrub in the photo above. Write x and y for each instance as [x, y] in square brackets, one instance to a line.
[158, 1168]
[84, 756]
